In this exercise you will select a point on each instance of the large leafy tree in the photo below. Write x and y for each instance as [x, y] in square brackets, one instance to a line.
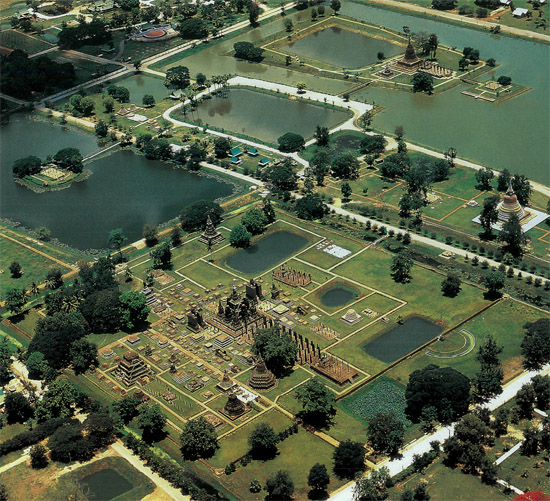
[451, 285]
[177, 77]
[152, 421]
[349, 459]
[279, 486]
[198, 440]
[161, 255]
[15, 300]
[318, 478]
[422, 82]
[58, 401]
[444, 388]
[402, 263]
[512, 236]
[100, 309]
[291, 142]
[345, 166]
[489, 215]
[83, 354]
[494, 281]
[194, 217]
[26, 166]
[126, 408]
[263, 441]
[54, 335]
[535, 346]
[373, 487]
[69, 158]
[488, 381]
[5, 362]
[17, 408]
[310, 206]
[133, 309]
[385, 433]
[239, 236]
[317, 402]
[276, 349]
[254, 221]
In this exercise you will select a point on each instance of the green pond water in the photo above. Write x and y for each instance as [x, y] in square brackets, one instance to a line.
[264, 116]
[346, 142]
[339, 295]
[125, 190]
[267, 252]
[401, 340]
[139, 85]
[105, 485]
[341, 48]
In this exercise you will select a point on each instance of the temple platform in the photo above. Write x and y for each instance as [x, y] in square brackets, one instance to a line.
[533, 218]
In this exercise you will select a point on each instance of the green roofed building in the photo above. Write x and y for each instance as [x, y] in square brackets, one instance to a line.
[264, 162]
[252, 151]
[236, 152]
[236, 161]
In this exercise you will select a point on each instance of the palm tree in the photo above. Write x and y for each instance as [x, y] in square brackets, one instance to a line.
[34, 289]
[70, 303]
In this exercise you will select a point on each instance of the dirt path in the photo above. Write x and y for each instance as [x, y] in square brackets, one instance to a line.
[162, 484]
[462, 19]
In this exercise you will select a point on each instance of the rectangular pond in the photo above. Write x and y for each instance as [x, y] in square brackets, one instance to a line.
[105, 485]
[401, 340]
[264, 116]
[342, 48]
[125, 191]
[267, 252]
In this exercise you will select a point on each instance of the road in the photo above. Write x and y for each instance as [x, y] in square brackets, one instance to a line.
[401, 5]
[423, 444]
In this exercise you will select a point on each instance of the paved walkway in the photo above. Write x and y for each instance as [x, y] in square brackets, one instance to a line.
[422, 445]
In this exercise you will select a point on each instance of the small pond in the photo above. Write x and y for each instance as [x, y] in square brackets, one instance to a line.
[264, 116]
[106, 484]
[267, 252]
[342, 48]
[403, 339]
[339, 295]
[347, 142]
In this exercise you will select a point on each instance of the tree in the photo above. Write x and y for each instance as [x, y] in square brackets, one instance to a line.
[290, 142]
[198, 440]
[288, 24]
[101, 129]
[58, 401]
[489, 214]
[26, 166]
[17, 408]
[451, 285]
[240, 237]
[201, 79]
[67, 444]
[317, 402]
[253, 13]
[279, 486]
[54, 278]
[39, 456]
[318, 478]
[269, 212]
[70, 159]
[5, 363]
[500, 423]
[83, 354]
[402, 263]
[535, 346]
[530, 444]
[346, 191]
[385, 433]
[100, 309]
[116, 239]
[433, 43]
[301, 86]
[193, 28]
[177, 77]
[87, 106]
[349, 459]
[483, 178]
[152, 421]
[118, 93]
[162, 256]
[148, 100]
[36, 365]
[133, 309]
[99, 429]
[282, 175]
[494, 281]
[108, 104]
[254, 221]
[54, 335]
[321, 136]
[15, 300]
[541, 387]
[221, 146]
[512, 236]
[247, 51]
[444, 388]
[150, 234]
[194, 217]
[276, 348]
[263, 441]
[522, 188]
[175, 236]
[310, 206]
[335, 5]
[345, 166]
[126, 408]
[525, 400]
[373, 486]
[422, 82]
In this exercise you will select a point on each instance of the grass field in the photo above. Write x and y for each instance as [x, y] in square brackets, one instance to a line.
[13, 39]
